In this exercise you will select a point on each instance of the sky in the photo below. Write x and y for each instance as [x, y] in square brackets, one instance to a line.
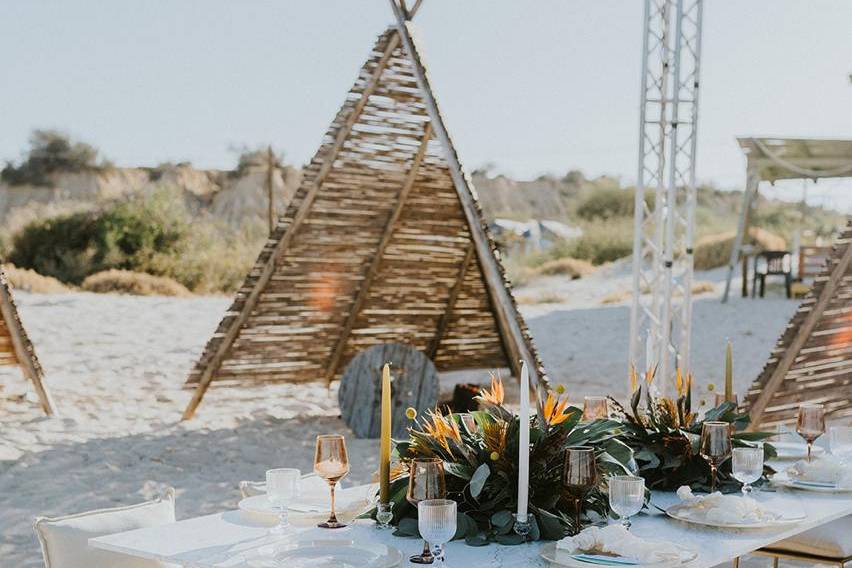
[534, 87]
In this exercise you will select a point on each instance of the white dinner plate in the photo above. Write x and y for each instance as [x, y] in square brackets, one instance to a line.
[679, 512]
[794, 450]
[328, 553]
[558, 557]
[345, 499]
[783, 479]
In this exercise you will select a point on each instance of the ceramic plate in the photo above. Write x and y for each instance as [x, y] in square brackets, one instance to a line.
[782, 479]
[558, 557]
[794, 450]
[353, 497]
[329, 553]
[679, 512]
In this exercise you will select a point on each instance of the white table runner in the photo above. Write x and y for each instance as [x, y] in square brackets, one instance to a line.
[225, 539]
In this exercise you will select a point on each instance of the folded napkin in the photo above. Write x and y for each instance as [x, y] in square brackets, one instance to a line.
[615, 539]
[825, 469]
[723, 509]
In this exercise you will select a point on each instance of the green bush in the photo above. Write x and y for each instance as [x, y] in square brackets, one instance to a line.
[153, 234]
[133, 283]
[610, 203]
[604, 241]
[50, 152]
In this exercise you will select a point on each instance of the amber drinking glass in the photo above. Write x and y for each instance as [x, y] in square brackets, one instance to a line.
[715, 447]
[595, 408]
[811, 424]
[579, 475]
[425, 482]
[331, 462]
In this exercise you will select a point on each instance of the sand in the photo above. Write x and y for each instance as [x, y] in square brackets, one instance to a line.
[116, 365]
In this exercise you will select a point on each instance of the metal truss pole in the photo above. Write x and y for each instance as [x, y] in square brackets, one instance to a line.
[663, 229]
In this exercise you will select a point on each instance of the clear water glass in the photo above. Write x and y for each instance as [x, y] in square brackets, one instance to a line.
[626, 496]
[436, 519]
[747, 466]
[282, 484]
[840, 442]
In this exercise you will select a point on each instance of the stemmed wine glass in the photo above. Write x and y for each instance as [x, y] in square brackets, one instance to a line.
[594, 408]
[715, 447]
[436, 520]
[579, 475]
[747, 466]
[811, 424]
[281, 487]
[425, 482]
[626, 496]
[331, 462]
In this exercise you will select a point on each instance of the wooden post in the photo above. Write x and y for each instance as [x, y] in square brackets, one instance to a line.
[270, 196]
[505, 311]
[752, 181]
[373, 268]
[804, 332]
[266, 274]
[451, 304]
[23, 348]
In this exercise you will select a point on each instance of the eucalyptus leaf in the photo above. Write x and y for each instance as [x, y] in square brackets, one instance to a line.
[477, 481]
[476, 540]
[407, 527]
[502, 519]
[509, 539]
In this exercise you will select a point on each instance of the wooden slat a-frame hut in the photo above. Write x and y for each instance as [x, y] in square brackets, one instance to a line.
[384, 241]
[16, 348]
[812, 361]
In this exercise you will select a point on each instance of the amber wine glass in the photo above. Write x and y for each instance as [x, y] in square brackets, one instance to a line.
[811, 424]
[579, 475]
[425, 482]
[595, 408]
[331, 462]
[715, 447]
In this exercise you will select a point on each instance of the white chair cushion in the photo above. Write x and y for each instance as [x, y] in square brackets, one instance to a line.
[832, 540]
[65, 540]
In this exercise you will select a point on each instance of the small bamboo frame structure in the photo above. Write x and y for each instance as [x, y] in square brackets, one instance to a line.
[384, 241]
[812, 361]
[17, 349]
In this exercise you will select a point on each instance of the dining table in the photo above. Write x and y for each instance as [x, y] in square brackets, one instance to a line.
[233, 539]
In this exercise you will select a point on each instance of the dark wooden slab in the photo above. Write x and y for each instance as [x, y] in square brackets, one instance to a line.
[414, 383]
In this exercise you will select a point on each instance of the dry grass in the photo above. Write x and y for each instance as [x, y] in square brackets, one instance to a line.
[616, 297]
[700, 287]
[714, 251]
[573, 267]
[703, 287]
[539, 298]
[31, 281]
[134, 284]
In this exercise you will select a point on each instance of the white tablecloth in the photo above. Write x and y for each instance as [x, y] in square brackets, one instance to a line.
[225, 539]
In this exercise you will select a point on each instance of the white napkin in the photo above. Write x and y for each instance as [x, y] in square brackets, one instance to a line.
[723, 509]
[824, 469]
[615, 539]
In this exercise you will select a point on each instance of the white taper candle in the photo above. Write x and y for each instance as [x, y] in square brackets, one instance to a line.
[524, 444]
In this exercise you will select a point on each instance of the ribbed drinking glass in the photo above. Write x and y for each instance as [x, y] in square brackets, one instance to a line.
[626, 496]
[436, 519]
[747, 466]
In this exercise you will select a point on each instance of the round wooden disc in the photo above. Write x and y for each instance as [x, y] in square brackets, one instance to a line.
[414, 383]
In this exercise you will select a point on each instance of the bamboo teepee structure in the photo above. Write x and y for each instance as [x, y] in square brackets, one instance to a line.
[812, 361]
[16, 348]
[384, 241]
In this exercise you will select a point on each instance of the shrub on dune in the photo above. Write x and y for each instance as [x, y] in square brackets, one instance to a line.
[566, 266]
[133, 283]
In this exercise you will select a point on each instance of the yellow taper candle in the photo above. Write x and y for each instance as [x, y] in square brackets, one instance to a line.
[384, 453]
[729, 372]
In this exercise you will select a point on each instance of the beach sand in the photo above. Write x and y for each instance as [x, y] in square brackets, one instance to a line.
[116, 366]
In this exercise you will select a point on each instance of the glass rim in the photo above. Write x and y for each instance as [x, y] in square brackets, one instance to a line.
[628, 478]
[715, 423]
[581, 448]
[436, 503]
[329, 436]
[283, 469]
[748, 449]
[426, 460]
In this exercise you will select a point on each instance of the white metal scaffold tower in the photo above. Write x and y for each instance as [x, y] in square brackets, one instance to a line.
[665, 188]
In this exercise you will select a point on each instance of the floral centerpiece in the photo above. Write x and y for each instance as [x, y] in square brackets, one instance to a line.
[480, 455]
[664, 435]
